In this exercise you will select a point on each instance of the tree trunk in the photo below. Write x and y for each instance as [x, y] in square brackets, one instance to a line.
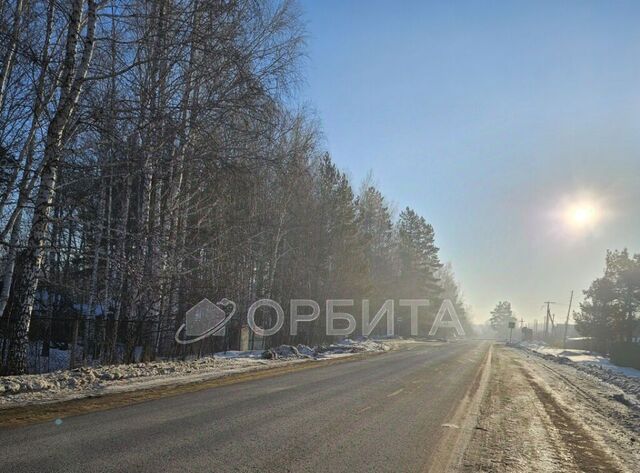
[7, 62]
[71, 87]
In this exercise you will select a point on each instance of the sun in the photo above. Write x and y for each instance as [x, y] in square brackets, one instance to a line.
[582, 214]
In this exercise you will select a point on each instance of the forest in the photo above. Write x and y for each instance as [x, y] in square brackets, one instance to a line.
[154, 153]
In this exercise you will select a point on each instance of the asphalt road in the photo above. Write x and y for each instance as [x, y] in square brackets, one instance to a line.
[382, 413]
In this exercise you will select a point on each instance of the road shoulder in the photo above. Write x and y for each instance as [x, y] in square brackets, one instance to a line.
[535, 418]
[40, 412]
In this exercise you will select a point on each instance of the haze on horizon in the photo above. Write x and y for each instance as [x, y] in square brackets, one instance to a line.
[512, 127]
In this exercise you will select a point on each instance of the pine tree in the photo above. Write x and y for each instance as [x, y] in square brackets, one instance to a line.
[501, 315]
[611, 308]
[374, 220]
[418, 255]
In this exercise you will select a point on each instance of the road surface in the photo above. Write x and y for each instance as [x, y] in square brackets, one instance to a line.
[400, 411]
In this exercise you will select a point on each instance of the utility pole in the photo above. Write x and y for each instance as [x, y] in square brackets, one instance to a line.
[566, 324]
[549, 318]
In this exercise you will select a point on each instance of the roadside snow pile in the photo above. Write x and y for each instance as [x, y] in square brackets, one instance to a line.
[289, 351]
[239, 354]
[353, 346]
[627, 379]
[93, 380]
[343, 347]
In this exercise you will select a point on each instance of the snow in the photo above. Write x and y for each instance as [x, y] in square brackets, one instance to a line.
[239, 354]
[91, 381]
[627, 379]
[546, 415]
[353, 346]
[57, 359]
[341, 348]
[581, 357]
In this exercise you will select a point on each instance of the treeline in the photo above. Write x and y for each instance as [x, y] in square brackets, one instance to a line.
[611, 308]
[151, 157]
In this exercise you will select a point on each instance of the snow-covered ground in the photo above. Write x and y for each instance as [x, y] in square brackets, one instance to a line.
[91, 381]
[542, 415]
[627, 379]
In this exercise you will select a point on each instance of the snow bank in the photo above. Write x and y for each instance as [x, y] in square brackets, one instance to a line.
[346, 346]
[290, 351]
[581, 357]
[627, 379]
[89, 378]
[353, 346]
[95, 380]
[239, 354]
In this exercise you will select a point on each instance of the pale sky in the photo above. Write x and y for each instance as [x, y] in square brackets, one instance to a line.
[490, 119]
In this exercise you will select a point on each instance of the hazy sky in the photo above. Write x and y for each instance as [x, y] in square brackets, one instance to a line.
[489, 118]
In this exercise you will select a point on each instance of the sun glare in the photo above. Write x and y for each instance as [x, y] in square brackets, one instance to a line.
[582, 215]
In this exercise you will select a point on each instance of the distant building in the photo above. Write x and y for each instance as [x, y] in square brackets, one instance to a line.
[558, 331]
